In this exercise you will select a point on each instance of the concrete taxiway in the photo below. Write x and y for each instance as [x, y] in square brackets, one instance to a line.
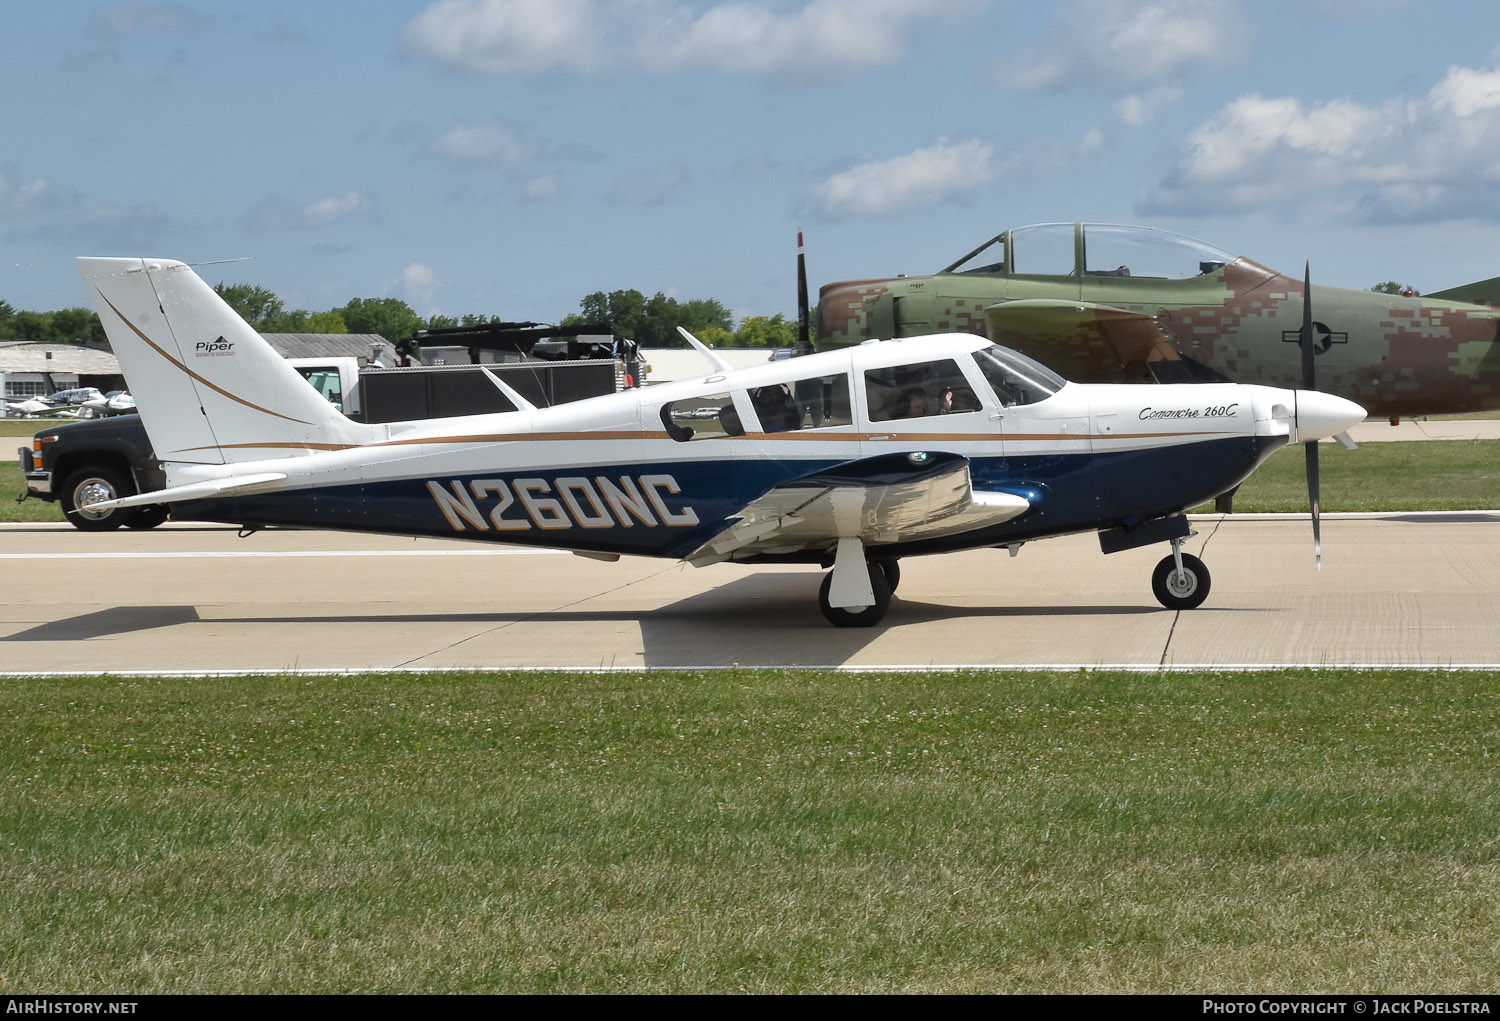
[1395, 589]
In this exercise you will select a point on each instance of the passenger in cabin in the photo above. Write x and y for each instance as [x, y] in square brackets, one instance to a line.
[911, 404]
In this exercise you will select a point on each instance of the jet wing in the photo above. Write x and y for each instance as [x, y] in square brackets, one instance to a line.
[878, 500]
[1081, 340]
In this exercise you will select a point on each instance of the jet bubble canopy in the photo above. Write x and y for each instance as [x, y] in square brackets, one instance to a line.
[1095, 250]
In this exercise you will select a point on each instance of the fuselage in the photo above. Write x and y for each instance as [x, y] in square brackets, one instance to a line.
[660, 471]
[1394, 355]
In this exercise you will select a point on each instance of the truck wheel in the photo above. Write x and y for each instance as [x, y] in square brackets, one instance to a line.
[89, 486]
[147, 517]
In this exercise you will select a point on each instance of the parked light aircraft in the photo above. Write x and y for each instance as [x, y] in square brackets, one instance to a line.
[852, 458]
[65, 403]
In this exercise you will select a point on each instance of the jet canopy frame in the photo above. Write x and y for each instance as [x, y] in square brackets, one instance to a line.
[1093, 250]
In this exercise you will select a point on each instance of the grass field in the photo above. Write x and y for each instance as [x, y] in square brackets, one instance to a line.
[761, 831]
[1408, 476]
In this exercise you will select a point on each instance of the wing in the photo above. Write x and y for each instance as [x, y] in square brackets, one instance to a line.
[878, 500]
[1081, 340]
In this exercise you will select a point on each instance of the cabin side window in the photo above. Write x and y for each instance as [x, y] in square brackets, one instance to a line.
[918, 390]
[818, 402]
[1015, 378]
[710, 417]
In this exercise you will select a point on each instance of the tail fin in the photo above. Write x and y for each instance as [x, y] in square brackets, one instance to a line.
[210, 389]
[1480, 292]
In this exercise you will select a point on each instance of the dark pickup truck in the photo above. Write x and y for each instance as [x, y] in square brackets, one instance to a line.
[81, 463]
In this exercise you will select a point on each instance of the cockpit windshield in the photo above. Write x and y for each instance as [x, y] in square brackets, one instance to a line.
[1107, 249]
[1015, 378]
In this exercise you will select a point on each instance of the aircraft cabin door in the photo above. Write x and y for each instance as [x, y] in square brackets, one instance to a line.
[929, 401]
[1045, 427]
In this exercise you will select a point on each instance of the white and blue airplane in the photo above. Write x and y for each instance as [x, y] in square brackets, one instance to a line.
[850, 459]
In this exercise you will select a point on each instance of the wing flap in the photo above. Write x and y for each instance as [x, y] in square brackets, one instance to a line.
[878, 500]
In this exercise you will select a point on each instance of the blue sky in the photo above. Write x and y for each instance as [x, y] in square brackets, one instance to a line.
[509, 156]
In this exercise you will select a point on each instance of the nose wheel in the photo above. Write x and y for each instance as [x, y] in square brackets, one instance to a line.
[1180, 581]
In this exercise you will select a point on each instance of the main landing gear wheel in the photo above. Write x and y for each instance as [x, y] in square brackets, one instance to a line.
[862, 616]
[892, 571]
[147, 517]
[1180, 591]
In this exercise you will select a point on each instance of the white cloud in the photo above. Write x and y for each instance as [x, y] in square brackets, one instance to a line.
[1113, 43]
[821, 37]
[1424, 159]
[945, 170]
[1139, 109]
[280, 214]
[140, 18]
[494, 143]
[507, 36]
[419, 281]
[540, 189]
[17, 197]
[328, 211]
[650, 187]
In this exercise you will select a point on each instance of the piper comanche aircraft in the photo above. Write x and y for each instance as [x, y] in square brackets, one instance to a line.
[852, 459]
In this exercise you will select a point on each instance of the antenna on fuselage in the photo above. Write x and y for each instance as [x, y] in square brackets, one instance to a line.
[521, 403]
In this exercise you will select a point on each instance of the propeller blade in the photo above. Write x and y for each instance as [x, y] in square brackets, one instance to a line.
[1312, 499]
[1309, 371]
[1310, 382]
[804, 316]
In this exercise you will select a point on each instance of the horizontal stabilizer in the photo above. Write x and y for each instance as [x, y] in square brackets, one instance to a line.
[242, 485]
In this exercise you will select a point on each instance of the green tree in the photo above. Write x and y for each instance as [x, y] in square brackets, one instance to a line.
[392, 318]
[331, 321]
[256, 305]
[714, 336]
[624, 310]
[78, 326]
[762, 331]
[1391, 287]
[294, 321]
[653, 322]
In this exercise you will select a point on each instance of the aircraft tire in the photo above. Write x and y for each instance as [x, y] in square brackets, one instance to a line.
[147, 517]
[867, 616]
[1185, 594]
[892, 571]
[90, 485]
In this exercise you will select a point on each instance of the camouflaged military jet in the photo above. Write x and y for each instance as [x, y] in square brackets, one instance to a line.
[1111, 303]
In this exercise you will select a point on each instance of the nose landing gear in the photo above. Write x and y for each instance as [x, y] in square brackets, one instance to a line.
[1180, 581]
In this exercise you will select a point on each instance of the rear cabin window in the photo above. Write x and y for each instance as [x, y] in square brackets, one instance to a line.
[918, 390]
[702, 418]
[818, 402]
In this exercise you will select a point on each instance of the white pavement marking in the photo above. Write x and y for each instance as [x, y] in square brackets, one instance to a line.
[272, 554]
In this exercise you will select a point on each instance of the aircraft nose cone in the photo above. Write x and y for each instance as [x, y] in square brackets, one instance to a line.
[1321, 415]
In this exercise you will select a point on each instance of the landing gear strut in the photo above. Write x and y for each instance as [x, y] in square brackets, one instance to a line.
[1180, 581]
[858, 616]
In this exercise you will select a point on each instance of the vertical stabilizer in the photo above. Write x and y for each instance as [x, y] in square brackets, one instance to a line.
[210, 389]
